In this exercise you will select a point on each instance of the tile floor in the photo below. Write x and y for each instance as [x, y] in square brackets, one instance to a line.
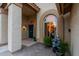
[37, 49]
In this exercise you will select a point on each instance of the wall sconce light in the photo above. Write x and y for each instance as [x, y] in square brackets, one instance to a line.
[24, 28]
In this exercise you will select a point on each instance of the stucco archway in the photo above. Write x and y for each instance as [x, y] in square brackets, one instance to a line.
[52, 12]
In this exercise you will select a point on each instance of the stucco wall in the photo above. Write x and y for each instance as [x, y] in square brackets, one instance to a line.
[3, 28]
[26, 21]
[44, 7]
[75, 30]
[67, 27]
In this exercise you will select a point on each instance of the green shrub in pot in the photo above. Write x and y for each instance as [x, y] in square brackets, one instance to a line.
[48, 41]
[63, 47]
[34, 38]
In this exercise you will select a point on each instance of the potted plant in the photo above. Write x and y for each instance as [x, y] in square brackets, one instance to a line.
[63, 48]
[34, 38]
[47, 41]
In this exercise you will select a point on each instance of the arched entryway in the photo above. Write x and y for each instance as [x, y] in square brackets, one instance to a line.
[50, 25]
[42, 26]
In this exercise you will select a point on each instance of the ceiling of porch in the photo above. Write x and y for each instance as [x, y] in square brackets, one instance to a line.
[64, 8]
[28, 9]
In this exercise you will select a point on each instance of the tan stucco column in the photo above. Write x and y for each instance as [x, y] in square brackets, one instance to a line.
[14, 27]
[3, 27]
[60, 27]
[38, 28]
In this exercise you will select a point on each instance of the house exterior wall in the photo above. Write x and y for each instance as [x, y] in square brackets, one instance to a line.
[26, 21]
[75, 30]
[67, 27]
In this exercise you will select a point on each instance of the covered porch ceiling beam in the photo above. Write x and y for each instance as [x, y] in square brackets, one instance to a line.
[64, 8]
[33, 6]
